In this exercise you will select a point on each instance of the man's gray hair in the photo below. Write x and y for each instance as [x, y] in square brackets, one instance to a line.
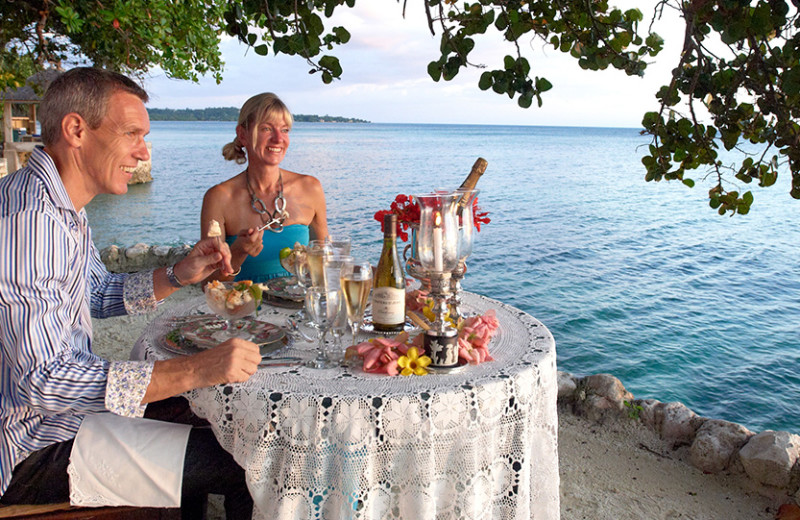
[85, 91]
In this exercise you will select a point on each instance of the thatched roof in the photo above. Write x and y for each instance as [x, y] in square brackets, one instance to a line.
[26, 94]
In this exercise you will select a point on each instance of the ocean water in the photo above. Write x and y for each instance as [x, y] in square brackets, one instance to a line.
[640, 280]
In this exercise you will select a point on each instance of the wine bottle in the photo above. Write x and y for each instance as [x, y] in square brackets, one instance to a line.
[471, 181]
[389, 290]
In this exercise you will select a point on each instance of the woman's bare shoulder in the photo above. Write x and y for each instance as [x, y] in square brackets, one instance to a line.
[300, 179]
[225, 189]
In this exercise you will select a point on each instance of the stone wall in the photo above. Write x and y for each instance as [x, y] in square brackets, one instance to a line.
[771, 459]
[141, 256]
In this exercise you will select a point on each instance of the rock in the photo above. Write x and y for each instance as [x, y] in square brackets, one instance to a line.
[674, 422]
[680, 424]
[715, 444]
[648, 412]
[769, 457]
[161, 251]
[137, 251]
[110, 254]
[566, 386]
[607, 386]
[601, 395]
[142, 172]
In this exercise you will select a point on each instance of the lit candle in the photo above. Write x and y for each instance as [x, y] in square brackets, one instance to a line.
[438, 261]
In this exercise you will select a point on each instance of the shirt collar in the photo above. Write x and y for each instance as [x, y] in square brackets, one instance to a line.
[43, 167]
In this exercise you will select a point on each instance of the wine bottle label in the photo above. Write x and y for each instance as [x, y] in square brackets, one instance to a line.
[388, 305]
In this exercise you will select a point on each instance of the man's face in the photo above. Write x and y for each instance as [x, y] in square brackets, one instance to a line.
[114, 149]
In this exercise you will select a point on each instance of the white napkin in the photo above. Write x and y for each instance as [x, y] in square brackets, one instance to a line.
[123, 461]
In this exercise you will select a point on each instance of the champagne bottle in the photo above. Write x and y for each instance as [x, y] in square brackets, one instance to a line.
[472, 179]
[389, 290]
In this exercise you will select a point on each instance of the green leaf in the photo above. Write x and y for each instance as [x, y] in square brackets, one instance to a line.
[332, 64]
[435, 70]
[543, 85]
[485, 82]
[342, 34]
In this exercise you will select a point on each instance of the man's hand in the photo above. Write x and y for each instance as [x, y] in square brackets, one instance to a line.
[233, 361]
[208, 255]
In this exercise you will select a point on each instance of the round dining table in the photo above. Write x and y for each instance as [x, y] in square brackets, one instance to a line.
[480, 442]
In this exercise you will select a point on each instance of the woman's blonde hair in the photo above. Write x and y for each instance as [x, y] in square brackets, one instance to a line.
[261, 107]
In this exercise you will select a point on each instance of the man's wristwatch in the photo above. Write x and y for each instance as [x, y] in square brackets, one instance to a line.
[173, 280]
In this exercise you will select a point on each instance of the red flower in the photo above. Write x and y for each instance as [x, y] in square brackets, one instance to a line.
[407, 211]
[479, 217]
[115, 23]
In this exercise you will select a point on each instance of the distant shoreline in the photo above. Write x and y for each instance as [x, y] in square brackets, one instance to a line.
[232, 114]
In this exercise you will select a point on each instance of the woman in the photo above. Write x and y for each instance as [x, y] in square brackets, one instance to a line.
[291, 205]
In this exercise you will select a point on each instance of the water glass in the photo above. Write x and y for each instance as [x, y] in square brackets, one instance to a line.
[322, 307]
[338, 330]
[317, 251]
[340, 244]
[333, 265]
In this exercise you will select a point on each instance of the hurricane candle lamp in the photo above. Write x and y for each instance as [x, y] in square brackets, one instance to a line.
[437, 250]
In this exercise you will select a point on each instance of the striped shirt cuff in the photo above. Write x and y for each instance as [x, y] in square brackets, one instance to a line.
[126, 386]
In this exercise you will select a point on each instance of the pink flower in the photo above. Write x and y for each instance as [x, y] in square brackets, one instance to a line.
[474, 336]
[380, 355]
[416, 300]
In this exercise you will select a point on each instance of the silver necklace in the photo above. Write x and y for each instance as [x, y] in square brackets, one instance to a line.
[276, 217]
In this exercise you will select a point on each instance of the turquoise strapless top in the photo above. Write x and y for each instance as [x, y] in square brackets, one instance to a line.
[267, 264]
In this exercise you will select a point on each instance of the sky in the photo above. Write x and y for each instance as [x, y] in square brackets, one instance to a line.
[385, 78]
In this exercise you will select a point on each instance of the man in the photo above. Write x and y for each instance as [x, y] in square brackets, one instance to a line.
[51, 282]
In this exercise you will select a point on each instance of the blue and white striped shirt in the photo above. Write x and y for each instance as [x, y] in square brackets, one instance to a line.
[52, 282]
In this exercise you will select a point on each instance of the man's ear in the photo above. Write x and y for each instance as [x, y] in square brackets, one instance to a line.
[73, 129]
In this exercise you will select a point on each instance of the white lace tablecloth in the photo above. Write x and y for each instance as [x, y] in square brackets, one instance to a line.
[338, 443]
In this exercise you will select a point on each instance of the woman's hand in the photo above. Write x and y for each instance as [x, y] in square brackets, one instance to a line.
[249, 242]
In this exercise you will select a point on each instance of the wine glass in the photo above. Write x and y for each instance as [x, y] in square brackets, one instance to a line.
[230, 301]
[322, 306]
[356, 281]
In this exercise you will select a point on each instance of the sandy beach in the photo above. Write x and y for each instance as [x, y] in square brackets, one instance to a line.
[616, 469]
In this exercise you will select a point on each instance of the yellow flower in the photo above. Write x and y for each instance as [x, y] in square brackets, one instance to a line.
[413, 363]
[427, 311]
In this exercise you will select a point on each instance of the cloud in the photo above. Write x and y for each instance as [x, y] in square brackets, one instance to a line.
[385, 79]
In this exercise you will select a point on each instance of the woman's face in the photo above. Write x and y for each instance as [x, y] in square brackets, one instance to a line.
[267, 143]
